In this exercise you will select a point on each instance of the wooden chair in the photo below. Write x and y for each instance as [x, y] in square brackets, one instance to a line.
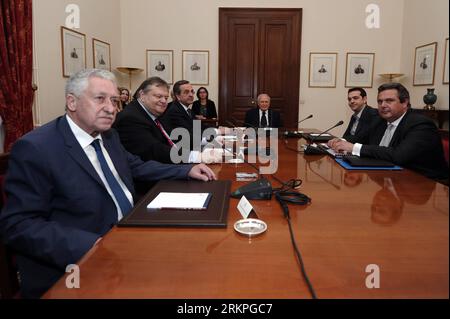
[9, 284]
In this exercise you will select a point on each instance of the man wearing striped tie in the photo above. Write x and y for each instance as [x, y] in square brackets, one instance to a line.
[71, 180]
[400, 136]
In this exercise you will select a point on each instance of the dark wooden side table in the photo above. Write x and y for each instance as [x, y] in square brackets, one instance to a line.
[441, 116]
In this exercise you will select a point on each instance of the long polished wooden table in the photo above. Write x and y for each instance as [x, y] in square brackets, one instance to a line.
[396, 220]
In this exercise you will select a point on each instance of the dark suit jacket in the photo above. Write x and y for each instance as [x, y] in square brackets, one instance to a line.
[252, 118]
[210, 109]
[140, 135]
[57, 205]
[176, 117]
[416, 145]
[368, 115]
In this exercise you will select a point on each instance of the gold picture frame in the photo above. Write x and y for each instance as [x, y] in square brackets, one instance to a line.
[73, 51]
[101, 54]
[160, 63]
[424, 64]
[322, 69]
[195, 66]
[359, 69]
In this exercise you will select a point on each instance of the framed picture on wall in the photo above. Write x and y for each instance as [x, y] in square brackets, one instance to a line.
[160, 63]
[424, 64]
[359, 70]
[322, 69]
[73, 47]
[101, 54]
[445, 72]
[196, 67]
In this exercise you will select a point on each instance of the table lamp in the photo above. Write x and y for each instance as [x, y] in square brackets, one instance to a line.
[390, 76]
[129, 70]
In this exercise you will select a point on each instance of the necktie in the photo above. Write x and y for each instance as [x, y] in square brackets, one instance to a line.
[118, 192]
[169, 141]
[387, 135]
[189, 111]
[355, 121]
[263, 119]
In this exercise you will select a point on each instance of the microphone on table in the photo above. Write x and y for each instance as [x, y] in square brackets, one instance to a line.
[315, 150]
[296, 133]
[306, 118]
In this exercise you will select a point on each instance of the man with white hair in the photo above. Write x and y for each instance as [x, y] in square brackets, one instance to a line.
[263, 116]
[71, 180]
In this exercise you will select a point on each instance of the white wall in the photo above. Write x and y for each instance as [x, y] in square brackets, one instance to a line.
[425, 22]
[328, 26]
[100, 19]
[132, 26]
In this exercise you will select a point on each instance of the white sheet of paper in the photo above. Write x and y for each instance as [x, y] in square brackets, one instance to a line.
[167, 200]
[244, 207]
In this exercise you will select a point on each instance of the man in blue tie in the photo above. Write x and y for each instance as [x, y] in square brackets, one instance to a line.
[71, 180]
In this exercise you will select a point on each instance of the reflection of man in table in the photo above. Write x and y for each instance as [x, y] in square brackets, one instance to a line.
[388, 203]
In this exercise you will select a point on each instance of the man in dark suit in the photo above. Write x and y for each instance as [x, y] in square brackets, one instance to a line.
[263, 116]
[363, 115]
[71, 180]
[139, 127]
[179, 114]
[400, 136]
[142, 133]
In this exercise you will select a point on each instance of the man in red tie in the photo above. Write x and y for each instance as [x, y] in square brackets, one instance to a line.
[143, 134]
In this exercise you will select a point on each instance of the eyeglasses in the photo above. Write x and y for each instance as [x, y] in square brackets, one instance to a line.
[101, 99]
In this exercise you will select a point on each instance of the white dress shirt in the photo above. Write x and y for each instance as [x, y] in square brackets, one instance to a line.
[85, 141]
[357, 147]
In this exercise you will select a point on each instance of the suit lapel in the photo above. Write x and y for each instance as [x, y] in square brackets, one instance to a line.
[75, 151]
[398, 130]
[379, 132]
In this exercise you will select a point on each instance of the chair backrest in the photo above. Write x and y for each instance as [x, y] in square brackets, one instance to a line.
[444, 140]
[9, 284]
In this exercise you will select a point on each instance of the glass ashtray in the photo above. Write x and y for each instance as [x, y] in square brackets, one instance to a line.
[250, 226]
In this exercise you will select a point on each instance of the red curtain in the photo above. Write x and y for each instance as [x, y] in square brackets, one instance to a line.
[16, 69]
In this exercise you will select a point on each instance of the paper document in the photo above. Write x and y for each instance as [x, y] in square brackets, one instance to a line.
[166, 200]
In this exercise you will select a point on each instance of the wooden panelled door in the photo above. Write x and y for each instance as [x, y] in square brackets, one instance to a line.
[259, 52]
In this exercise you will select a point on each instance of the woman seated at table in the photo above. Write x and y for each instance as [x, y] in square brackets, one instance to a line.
[204, 108]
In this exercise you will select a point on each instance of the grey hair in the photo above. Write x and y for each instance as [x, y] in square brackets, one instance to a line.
[261, 95]
[78, 82]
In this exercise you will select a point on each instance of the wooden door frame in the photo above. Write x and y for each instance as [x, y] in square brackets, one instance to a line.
[224, 15]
